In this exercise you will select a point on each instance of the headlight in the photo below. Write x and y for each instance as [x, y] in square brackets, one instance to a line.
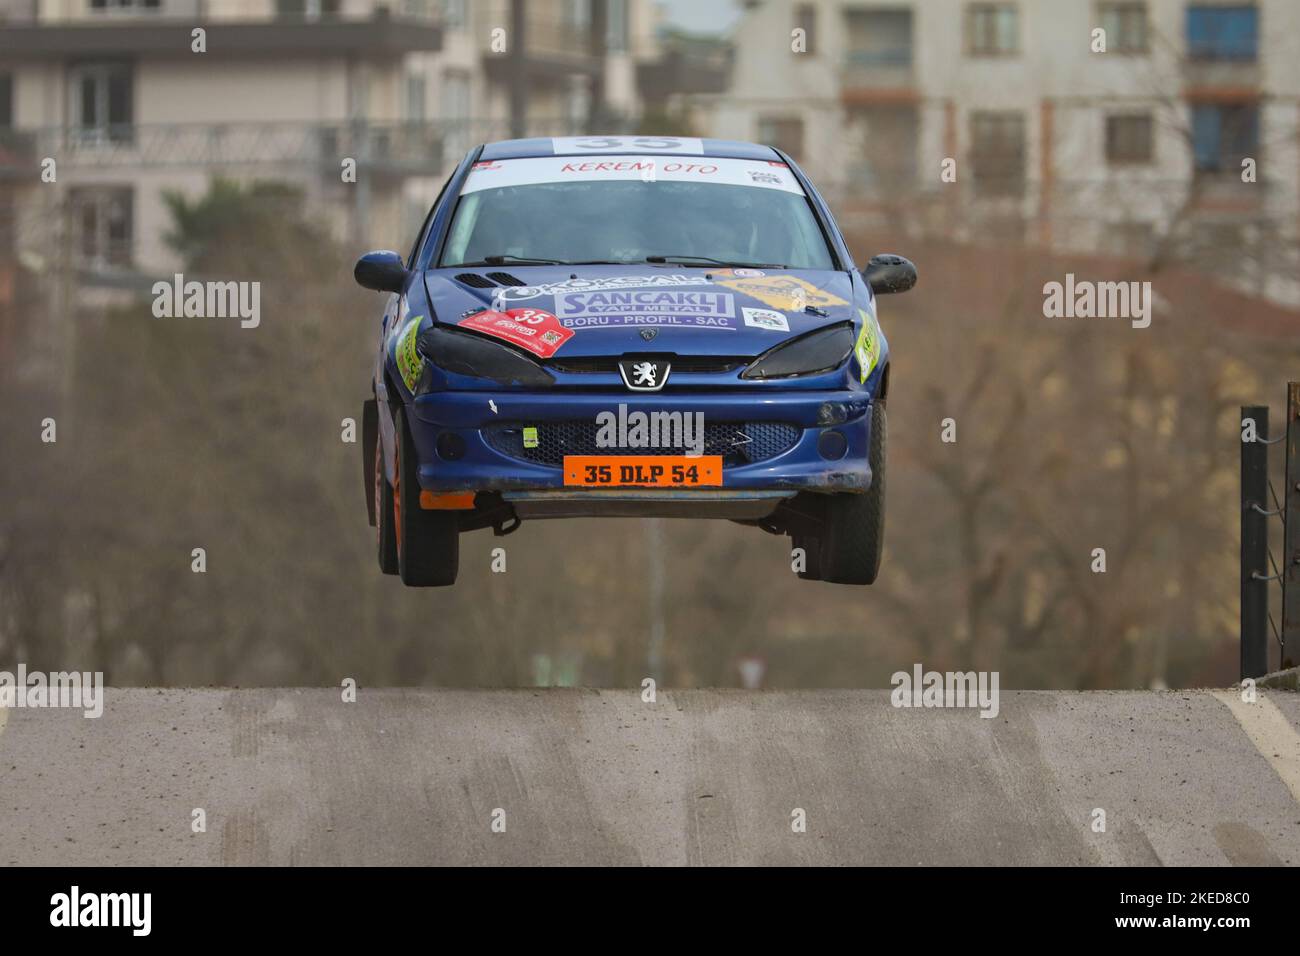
[465, 353]
[818, 351]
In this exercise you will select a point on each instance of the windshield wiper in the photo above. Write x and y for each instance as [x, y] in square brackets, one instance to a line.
[687, 260]
[503, 259]
[527, 260]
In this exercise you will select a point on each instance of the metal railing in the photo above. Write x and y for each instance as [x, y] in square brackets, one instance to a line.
[395, 147]
[416, 148]
[1259, 502]
[86, 13]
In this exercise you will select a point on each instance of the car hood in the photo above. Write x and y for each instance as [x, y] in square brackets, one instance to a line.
[612, 310]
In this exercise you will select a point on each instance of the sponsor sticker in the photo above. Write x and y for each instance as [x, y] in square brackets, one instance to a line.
[766, 319]
[536, 330]
[530, 436]
[595, 284]
[409, 362]
[868, 345]
[620, 308]
[787, 293]
[645, 169]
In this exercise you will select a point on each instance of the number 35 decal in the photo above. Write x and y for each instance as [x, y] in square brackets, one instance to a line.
[570, 145]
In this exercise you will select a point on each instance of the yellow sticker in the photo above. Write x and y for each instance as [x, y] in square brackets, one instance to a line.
[868, 347]
[530, 437]
[409, 362]
[788, 293]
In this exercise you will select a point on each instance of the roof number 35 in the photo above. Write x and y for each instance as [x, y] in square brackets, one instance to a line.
[628, 142]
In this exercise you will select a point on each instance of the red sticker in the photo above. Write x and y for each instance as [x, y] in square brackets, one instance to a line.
[534, 329]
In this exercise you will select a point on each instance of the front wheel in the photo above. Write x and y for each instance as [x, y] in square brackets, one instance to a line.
[385, 514]
[428, 542]
[854, 534]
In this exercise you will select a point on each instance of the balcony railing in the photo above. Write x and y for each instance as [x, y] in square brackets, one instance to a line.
[888, 68]
[392, 147]
[428, 148]
[84, 12]
[898, 56]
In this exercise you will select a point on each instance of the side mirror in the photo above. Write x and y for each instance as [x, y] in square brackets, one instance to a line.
[888, 273]
[382, 271]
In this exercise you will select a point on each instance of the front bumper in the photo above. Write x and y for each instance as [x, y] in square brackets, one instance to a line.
[455, 420]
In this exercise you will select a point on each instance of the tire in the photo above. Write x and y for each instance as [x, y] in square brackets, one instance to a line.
[385, 515]
[854, 535]
[428, 542]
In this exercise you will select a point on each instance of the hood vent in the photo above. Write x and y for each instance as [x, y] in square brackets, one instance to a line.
[475, 280]
[505, 278]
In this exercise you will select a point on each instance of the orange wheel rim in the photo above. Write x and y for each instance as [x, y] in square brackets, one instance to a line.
[397, 502]
[379, 498]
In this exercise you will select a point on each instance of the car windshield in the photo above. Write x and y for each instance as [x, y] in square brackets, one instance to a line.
[630, 208]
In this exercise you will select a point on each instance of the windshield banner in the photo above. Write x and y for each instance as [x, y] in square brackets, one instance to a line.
[561, 169]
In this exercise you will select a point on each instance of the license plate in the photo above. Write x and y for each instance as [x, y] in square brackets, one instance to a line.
[654, 471]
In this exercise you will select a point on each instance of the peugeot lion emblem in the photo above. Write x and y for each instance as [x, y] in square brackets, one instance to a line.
[649, 334]
[643, 375]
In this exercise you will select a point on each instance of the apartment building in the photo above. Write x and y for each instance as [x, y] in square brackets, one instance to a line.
[120, 96]
[1051, 138]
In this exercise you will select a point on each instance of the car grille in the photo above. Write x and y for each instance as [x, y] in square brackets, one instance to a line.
[739, 443]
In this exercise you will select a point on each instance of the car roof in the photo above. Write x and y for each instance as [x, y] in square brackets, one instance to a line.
[548, 146]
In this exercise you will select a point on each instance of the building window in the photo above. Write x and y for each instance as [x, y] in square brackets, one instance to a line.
[415, 85]
[102, 99]
[1129, 139]
[992, 29]
[784, 133]
[1222, 33]
[117, 6]
[1223, 135]
[998, 153]
[616, 33]
[1125, 24]
[577, 103]
[879, 37]
[805, 19]
[455, 104]
[886, 159]
[6, 101]
[455, 14]
[307, 9]
[102, 224]
[575, 14]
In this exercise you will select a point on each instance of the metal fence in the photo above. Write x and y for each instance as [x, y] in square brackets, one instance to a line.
[1259, 566]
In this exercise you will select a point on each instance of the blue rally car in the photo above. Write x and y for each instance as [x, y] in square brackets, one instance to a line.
[629, 326]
